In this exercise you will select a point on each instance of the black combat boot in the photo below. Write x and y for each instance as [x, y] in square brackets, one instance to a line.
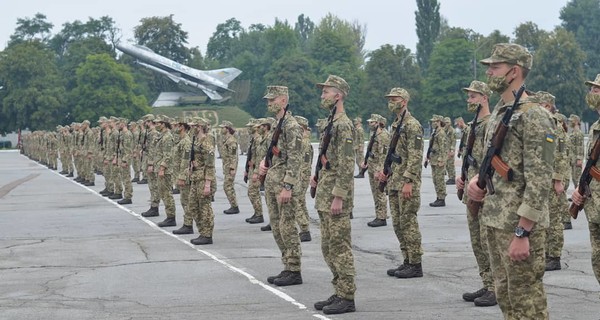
[450, 182]
[89, 184]
[266, 228]
[305, 236]
[553, 263]
[70, 175]
[255, 219]
[125, 201]
[143, 181]
[63, 172]
[471, 296]
[319, 305]
[78, 179]
[392, 272]
[567, 226]
[438, 203]
[175, 191]
[168, 222]
[411, 271]
[104, 192]
[115, 196]
[109, 194]
[359, 176]
[340, 305]
[377, 223]
[232, 210]
[283, 273]
[134, 180]
[184, 230]
[201, 240]
[290, 279]
[487, 300]
[152, 212]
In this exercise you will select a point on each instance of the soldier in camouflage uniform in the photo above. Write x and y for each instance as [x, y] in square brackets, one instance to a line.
[136, 134]
[255, 151]
[183, 162]
[404, 186]
[281, 178]
[162, 165]
[302, 217]
[334, 199]
[229, 155]
[478, 94]
[576, 150]
[148, 156]
[359, 144]
[267, 126]
[123, 163]
[381, 141]
[243, 136]
[592, 204]
[437, 160]
[89, 143]
[516, 215]
[460, 124]
[450, 146]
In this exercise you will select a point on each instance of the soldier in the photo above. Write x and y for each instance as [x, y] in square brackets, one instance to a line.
[229, 155]
[281, 177]
[460, 124]
[359, 144]
[123, 163]
[436, 157]
[266, 127]
[255, 154]
[148, 155]
[381, 140]
[334, 199]
[478, 101]
[592, 204]
[302, 216]
[136, 134]
[162, 164]
[404, 186]
[450, 147]
[516, 215]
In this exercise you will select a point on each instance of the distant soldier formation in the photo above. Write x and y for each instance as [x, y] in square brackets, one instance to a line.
[518, 159]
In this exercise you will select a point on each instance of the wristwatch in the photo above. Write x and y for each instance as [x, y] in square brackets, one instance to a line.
[520, 232]
[408, 180]
[288, 186]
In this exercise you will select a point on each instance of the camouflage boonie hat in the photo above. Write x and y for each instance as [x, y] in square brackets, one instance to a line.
[335, 82]
[102, 119]
[479, 87]
[377, 118]
[226, 124]
[436, 117]
[302, 121]
[574, 118]
[86, 122]
[275, 91]
[113, 118]
[595, 82]
[148, 117]
[561, 117]
[58, 127]
[399, 92]
[251, 122]
[544, 97]
[510, 53]
[447, 119]
[458, 119]
[358, 120]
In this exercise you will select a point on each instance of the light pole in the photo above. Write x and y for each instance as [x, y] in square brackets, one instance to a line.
[475, 57]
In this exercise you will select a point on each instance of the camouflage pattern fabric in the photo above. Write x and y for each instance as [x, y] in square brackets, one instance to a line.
[359, 148]
[124, 164]
[576, 152]
[164, 159]
[450, 147]
[150, 155]
[376, 160]
[592, 207]
[558, 203]
[229, 155]
[182, 155]
[302, 217]
[199, 205]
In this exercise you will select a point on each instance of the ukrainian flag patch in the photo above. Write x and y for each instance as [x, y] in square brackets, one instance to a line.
[549, 138]
[348, 140]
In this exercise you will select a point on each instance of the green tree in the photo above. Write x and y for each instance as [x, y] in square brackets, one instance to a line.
[558, 69]
[28, 29]
[106, 88]
[427, 19]
[482, 49]
[582, 18]
[33, 93]
[164, 36]
[220, 44]
[103, 28]
[530, 36]
[304, 28]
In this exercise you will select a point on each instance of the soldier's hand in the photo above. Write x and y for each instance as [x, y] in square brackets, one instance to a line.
[262, 169]
[313, 182]
[336, 206]
[232, 172]
[161, 171]
[519, 249]
[577, 197]
[382, 177]
[124, 164]
[364, 166]
[150, 169]
[254, 177]
[206, 191]
[559, 187]
[180, 182]
[114, 162]
[460, 183]
[473, 190]
[285, 196]
[407, 190]
[579, 163]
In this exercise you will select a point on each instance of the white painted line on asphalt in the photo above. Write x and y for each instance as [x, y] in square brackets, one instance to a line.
[229, 266]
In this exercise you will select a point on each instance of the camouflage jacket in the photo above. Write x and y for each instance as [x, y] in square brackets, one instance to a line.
[285, 166]
[126, 149]
[575, 146]
[479, 148]
[259, 151]
[592, 205]
[450, 139]
[439, 151]
[359, 137]
[204, 159]
[164, 152]
[181, 157]
[561, 159]
[379, 151]
[151, 147]
[307, 157]
[229, 152]
[528, 149]
[410, 150]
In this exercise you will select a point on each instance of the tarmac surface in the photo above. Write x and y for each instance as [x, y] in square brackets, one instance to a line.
[68, 253]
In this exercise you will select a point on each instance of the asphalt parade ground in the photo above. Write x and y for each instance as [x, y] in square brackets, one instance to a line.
[68, 253]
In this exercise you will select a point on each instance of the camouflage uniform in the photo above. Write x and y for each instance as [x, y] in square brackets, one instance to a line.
[229, 155]
[359, 140]
[450, 148]
[149, 155]
[123, 168]
[302, 217]
[336, 238]
[136, 131]
[576, 151]
[528, 149]
[438, 157]
[181, 159]
[257, 144]
[375, 164]
[164, 160]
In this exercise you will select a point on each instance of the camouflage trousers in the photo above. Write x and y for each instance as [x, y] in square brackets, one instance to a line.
[555, 238]
[302, 217]
[379, 198]
[88, 168]
[450, 170]
[184, 197]
[68, 164]
[107, 171]
[438, 174]
[254, 196]
[165, 191]
[153, 187]
[359, 154]
[595, 241]
[336, 246]
[282, 217]
[480, 250]
[575, 174]
[137, 167]
[406, 226]
[228, 187]
[200, 207]
[123, 181]
[519, 287]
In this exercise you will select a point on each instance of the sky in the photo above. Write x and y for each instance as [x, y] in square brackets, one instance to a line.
[386, 21]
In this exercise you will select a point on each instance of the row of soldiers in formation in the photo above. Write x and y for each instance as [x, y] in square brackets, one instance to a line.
[516, 233]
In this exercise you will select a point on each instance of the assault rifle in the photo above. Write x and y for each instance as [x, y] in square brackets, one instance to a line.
[430, 147]
[273, 149]
[492, 162]
[249, 162]
[144, 146]
[192, 158]
[468, 159]
[369, 152]
[390, 156]
[590, 171]
[118, 147]
[322, 159]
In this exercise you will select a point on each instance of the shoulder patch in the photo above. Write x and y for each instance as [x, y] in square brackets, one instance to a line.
[348, 140]
[550, 138]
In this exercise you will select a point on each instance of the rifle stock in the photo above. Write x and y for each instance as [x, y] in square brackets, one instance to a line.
[273, 149]
[368, 153]
[322, 159]
[389, 157]
[249, 162]
[589, 172]
[468, 158]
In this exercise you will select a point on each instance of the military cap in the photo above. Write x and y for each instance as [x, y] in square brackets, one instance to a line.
[226, 124]
[58, 127]
[113, 118]
[447, 119]
[544, 97]
[458, 119]
[561, 117]
[335, 82]
[270, 120]
[102, 119]
[436, 117]
[148, 117]
[133, 123]
[251, 122]
[377, 118]
[510, 53]
[595, 82]
[399, 92]
[275, 91]
[574, 118]
[479, 87]
[302, 121]
[86, 122]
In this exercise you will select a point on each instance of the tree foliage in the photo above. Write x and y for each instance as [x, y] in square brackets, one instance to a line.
[28, 29]
[427, 19]
[582, 18]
